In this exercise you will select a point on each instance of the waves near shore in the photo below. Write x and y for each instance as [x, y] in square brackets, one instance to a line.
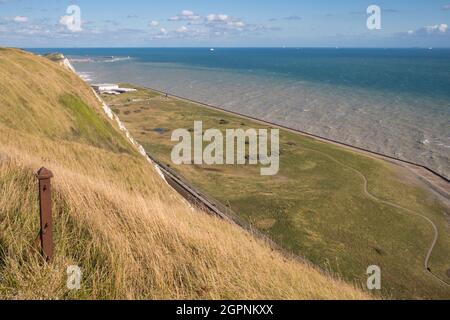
[404, 111]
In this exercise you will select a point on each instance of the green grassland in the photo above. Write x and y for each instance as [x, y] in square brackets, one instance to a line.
[316, 206]
[113, 216]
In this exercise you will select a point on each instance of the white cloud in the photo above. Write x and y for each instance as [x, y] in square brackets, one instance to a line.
[35, 30]
[162, 34]
[182, 29]
[65, 20]
[20, 19]
[438, 29]
[218, 17]
[446, 7]
[154, 23]
[186, 15]
[237, 24]
[209, 26]
[224, 23]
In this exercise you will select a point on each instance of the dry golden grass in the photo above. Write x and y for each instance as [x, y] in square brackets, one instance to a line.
[132, 236]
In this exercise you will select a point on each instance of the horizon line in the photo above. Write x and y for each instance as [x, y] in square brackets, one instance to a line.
[228, 47]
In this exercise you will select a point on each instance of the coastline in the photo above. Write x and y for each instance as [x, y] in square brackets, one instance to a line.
[410, 125]
[437, 182]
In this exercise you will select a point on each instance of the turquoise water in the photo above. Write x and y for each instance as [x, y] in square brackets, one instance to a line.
[394, 101]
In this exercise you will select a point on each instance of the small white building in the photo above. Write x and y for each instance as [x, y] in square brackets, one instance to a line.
[111, 89]
[105, 87]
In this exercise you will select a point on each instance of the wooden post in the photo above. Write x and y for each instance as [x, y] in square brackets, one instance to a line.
[45, 202]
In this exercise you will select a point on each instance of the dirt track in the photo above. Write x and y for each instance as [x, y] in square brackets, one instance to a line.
[394, 205]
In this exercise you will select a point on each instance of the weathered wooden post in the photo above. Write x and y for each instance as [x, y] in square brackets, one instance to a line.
[45, 202]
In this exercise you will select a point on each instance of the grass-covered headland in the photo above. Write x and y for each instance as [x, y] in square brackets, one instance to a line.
[132, 235]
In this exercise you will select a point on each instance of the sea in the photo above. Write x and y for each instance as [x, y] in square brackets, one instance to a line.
[391, 101]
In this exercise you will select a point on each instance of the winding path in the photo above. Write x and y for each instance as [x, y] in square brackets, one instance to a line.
[394, 205]
[366, 182]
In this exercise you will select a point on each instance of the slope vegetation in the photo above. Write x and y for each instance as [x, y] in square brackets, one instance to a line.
[132, 236]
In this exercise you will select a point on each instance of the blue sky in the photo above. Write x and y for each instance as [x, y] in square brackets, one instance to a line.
[169, 23]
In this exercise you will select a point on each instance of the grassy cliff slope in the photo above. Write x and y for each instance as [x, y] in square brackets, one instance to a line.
[132, 235]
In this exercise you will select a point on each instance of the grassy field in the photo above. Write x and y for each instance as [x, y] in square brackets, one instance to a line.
[131, 234]
[316, 206]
